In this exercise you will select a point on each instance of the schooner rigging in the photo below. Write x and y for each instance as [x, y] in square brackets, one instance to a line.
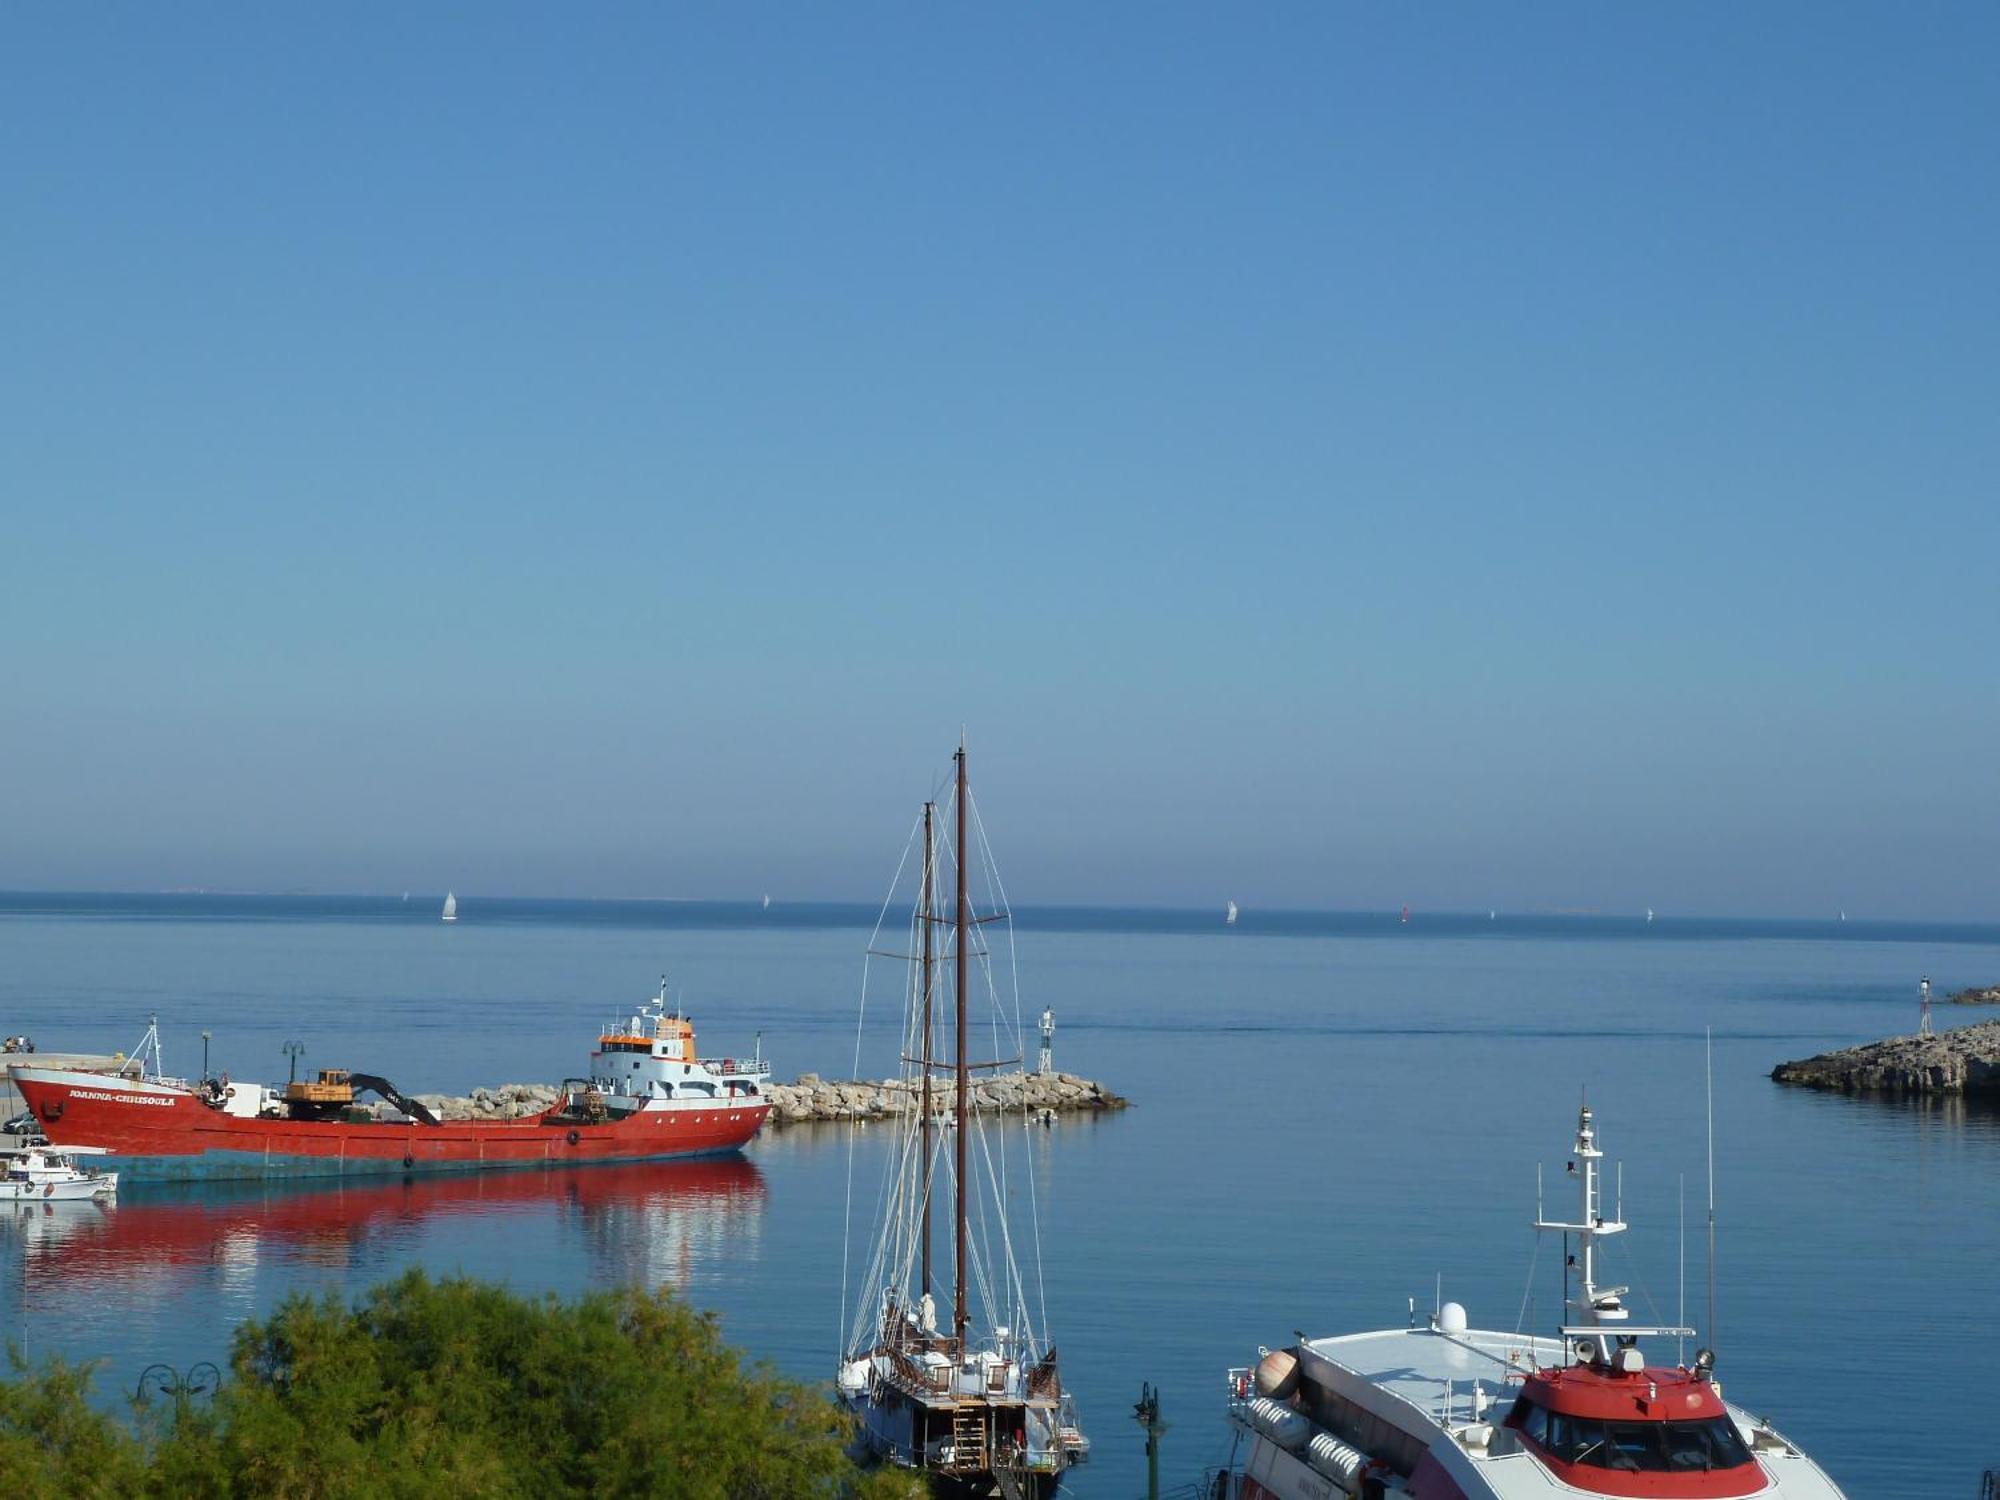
[980, 1406]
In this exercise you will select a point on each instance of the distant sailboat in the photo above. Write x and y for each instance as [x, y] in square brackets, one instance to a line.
[450, 907]
[1843, 914]
[1649, 914]
[1229, 917]
[1492, 916]
[767, 901]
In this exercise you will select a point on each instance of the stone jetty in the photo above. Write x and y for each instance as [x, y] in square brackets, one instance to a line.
[1988, 996]
[1963, 1061]
[814, 1098]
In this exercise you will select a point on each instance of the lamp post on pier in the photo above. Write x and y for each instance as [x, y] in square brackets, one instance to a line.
[295, 1051]
[201, 1379]
[1147, 1414]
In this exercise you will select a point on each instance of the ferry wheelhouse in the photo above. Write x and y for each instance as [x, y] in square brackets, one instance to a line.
[1447, 1412]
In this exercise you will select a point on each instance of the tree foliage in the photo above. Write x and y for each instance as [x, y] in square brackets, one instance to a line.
[452, 1387]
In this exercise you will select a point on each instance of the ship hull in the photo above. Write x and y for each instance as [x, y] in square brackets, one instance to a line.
[883, 1436]
[158, 1133]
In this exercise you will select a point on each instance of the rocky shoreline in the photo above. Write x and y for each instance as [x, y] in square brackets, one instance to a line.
[1988, 996]
[1963, 1061]
[813, 1098]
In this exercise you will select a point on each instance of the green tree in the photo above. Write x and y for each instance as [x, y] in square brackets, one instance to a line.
[53, 1443]
[427, 1388]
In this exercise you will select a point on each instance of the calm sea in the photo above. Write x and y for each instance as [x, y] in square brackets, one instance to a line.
[1332, 1114]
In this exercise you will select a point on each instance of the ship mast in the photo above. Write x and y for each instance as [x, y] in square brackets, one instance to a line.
[1596, 1307]
[926, 920]
[958, 958]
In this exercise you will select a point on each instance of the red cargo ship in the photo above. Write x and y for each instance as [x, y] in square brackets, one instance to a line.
[650, 1096]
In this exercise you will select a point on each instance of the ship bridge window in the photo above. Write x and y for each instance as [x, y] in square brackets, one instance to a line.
[1646, 1447]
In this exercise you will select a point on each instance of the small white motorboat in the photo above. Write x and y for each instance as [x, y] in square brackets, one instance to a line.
[50, 1174]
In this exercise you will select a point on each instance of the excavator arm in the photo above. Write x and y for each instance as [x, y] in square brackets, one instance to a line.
[388, 1091]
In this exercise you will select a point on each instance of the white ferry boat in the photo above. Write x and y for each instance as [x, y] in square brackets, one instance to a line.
[1448, 1412]
[49, 1174]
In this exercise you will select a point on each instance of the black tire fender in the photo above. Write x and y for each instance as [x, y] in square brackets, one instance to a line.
[575, 1136]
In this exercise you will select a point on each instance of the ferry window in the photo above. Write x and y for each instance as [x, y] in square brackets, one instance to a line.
[1650, 1447]
[1535, 1423]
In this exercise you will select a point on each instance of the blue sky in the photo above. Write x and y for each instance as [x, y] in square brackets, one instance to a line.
[1326, 454]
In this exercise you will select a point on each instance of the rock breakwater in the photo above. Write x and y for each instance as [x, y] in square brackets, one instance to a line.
[1988, 996]
[814, 1098]
[1964, 1061]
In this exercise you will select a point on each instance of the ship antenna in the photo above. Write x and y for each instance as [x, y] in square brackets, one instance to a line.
[958, 957]
[1681, 1298]
[1708, 1070]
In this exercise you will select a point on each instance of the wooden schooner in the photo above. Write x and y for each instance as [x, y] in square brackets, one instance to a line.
[977, 1404]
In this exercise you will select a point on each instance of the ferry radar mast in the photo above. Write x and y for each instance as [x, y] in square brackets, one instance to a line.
[1602, 1323]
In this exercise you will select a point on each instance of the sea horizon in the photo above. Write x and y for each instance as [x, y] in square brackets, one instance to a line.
[227, 904]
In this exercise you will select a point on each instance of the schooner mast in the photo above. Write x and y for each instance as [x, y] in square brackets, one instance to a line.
[926, 918]
[958, 1315]
[980, 1407]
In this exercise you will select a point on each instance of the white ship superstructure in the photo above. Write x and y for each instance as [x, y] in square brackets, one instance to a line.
[648, 1061]
[1443, 1411]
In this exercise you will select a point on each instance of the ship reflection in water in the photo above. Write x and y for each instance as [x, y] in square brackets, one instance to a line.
[650, 1224]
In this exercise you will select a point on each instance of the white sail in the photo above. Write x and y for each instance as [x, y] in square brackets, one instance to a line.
[1230, 915]
[450, 907]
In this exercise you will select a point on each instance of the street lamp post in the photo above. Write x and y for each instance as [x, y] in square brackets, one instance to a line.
[200, 1379]
[295, 1051]
[1147, 1413]
[204, 1054]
